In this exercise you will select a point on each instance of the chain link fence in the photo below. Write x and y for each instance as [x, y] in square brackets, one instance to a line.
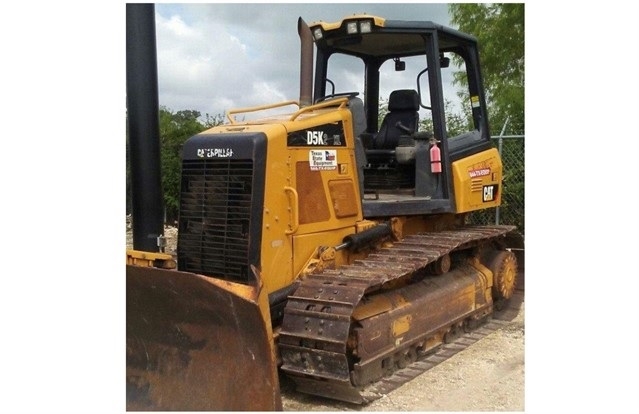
[511, 211]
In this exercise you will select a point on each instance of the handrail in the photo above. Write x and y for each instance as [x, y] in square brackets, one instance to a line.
[341, 101]
[294, 212]
[257, 108]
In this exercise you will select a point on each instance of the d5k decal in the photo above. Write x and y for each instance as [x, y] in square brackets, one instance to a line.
[329, 135]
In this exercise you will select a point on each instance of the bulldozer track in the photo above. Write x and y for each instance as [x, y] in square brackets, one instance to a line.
[400, 377]
[318, 317]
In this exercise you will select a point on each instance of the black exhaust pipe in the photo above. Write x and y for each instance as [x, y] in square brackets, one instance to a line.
[306, 63]
[147, 201]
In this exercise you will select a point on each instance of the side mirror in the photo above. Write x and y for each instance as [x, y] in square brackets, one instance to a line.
[444, 62]
[399, 65]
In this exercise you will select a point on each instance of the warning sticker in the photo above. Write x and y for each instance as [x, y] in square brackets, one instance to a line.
[474, 101]
[322, 160]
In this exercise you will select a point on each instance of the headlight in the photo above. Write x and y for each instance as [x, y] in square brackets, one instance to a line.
[351, 27]
[317, 33]
[365, 26]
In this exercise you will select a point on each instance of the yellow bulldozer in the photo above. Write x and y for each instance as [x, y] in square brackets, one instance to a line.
[318, 243]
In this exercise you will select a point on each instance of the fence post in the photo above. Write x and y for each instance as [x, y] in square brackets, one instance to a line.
[499, 144]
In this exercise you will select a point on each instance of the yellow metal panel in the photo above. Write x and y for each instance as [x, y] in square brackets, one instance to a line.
[378, 21]
[478, 181]
[313, 204]
[278, 214]
[150, 259]
[319, 198]
[289, 213]
[345, 202]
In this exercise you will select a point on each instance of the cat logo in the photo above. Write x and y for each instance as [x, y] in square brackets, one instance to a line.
[489, 193]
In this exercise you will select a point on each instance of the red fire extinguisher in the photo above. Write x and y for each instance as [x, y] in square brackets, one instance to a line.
[435, 157]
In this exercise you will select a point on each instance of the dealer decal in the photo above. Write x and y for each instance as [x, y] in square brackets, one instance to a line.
[322, 160]
[481, 172]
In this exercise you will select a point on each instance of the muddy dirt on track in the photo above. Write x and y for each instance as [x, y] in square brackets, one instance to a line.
[486, 376]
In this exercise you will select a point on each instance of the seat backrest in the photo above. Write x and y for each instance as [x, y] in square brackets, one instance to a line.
[359, 116]
[359, 127]
[403, 105]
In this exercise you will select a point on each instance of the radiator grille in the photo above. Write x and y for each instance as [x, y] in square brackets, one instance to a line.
[215, 218]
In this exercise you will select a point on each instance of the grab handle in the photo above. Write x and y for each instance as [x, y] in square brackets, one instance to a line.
[293, 209]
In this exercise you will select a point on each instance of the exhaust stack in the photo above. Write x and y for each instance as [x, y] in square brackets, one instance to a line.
[144, 129]
[306, 63]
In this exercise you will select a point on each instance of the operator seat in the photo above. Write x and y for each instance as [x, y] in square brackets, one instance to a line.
[403, 105]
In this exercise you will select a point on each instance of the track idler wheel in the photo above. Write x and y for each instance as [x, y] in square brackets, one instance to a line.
[503, 264]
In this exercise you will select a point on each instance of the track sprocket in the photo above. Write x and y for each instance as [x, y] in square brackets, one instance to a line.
[503, 264]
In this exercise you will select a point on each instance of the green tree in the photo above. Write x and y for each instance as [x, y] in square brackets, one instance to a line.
[175, 129]
[456, 123]
[499, 27]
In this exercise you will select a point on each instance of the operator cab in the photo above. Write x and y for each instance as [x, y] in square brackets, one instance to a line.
[399, 78]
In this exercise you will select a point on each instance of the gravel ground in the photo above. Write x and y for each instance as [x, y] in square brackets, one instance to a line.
[487, 376]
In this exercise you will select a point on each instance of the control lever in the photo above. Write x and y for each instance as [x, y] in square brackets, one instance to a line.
[403, 127]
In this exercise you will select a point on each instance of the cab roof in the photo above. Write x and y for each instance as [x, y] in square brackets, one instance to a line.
[386, 38]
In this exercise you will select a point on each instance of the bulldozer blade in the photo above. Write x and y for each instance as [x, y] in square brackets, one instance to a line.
[195, 343]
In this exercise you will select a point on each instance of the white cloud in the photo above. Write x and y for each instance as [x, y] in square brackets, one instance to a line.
[214, 57]
[177, 26]
[199, 65]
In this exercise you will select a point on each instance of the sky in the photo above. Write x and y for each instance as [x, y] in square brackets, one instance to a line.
[62, 176]
[211, 57]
